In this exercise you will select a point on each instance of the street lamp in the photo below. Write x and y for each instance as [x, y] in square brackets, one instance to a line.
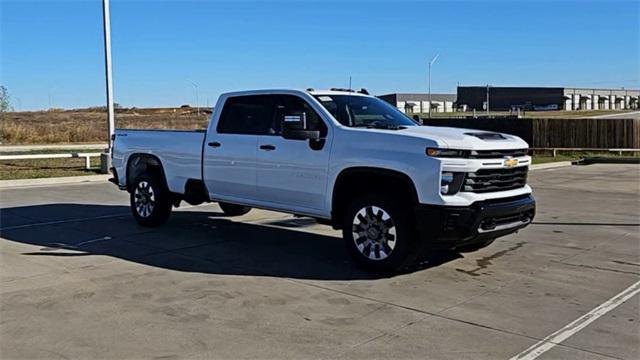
[487, 106]
[195, 86]
[105, 158]
[433, 60]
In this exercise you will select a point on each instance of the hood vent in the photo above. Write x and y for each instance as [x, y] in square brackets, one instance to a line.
[487, 135]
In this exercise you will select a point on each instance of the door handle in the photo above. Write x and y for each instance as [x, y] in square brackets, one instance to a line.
[214, 144]
[267, 147]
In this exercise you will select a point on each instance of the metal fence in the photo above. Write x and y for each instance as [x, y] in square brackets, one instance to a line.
[87, 157]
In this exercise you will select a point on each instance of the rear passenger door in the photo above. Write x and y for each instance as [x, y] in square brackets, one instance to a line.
[229, 157]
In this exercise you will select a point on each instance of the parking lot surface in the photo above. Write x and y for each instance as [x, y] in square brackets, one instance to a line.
[79, 279]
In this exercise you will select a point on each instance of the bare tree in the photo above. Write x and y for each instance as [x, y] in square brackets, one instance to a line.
[5, 100]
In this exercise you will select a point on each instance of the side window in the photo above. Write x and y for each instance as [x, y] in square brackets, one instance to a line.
[246, 115]
[291, 103]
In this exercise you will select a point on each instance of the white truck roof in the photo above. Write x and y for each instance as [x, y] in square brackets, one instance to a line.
[293, 91]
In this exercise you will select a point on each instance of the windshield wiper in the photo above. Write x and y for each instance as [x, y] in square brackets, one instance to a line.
[381, 126]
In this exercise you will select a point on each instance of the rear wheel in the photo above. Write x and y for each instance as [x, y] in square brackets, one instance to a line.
[380, 233]
[233, 209]
[150, 200]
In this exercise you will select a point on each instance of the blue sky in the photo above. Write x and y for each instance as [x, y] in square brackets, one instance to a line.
[51, 51]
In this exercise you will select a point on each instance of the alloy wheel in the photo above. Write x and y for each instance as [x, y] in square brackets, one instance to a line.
[144, 199]
[374, 233]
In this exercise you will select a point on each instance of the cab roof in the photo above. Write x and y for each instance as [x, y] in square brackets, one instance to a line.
[333, 91]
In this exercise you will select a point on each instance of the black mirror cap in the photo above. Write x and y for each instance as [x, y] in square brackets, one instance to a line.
[292, 134]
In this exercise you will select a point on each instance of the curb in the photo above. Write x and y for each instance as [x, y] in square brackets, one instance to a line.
[610, 160]
[551, 165]
[53, 181]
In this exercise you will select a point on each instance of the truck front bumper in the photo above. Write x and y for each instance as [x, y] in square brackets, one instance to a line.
[450, 227]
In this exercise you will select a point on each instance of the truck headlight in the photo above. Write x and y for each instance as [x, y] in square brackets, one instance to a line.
[447, 153]
[450, 182]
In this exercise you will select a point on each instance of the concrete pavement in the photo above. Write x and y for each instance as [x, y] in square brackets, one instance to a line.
[79, 279]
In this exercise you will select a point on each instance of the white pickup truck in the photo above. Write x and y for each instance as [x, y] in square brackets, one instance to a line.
[395, 188]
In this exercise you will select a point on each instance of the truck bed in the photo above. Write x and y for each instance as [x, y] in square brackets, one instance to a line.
[179, 151]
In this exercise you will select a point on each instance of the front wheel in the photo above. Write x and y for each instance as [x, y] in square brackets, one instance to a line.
[150, 201]
[380, 233]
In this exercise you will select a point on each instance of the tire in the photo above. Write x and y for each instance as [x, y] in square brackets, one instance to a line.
[233, 209]
[474, 247]
[385, 238]
[150, 200]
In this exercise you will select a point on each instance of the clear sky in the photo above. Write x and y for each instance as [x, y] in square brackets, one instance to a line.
[52, 54]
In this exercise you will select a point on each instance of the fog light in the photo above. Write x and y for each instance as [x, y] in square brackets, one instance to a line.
[446, 179]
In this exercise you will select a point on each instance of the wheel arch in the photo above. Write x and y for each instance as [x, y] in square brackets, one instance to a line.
[139, 163]
[355, 181]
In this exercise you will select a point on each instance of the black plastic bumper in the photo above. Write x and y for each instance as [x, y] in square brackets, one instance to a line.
[448, 227]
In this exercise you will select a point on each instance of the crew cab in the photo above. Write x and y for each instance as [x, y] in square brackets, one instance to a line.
[395, 188]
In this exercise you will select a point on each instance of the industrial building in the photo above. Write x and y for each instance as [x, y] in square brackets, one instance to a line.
[419, 103]
[547, 98]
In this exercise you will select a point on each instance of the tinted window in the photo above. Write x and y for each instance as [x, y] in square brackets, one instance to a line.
[290, 103]
[363, 111]
[246, 115]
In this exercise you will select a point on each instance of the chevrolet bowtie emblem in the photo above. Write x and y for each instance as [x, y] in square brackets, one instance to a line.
[509, 163]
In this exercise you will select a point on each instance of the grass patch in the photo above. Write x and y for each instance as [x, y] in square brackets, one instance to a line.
[542, 158]
[44, 168]
[90, 126]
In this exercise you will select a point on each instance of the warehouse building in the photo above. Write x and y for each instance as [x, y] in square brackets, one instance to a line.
[547, 98]
[419, 103]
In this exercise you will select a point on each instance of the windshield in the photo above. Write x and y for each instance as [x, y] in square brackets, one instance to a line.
[364, 111]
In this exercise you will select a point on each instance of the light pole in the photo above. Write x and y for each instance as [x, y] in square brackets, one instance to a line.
[49, 93]
[487, 99]
[433, 60]
[195, 86]
[106, 158]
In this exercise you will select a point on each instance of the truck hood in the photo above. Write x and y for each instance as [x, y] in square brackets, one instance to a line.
[465, 139]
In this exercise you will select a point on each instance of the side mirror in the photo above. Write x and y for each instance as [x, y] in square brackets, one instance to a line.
[294, 127]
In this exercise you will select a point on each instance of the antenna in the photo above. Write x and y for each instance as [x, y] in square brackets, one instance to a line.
[349, 83]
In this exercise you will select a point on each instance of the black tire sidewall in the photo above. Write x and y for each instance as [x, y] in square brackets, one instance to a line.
[406, 249]
[162, 207]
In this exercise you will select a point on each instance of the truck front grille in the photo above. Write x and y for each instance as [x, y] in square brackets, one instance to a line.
[497, 154]
[490, 180]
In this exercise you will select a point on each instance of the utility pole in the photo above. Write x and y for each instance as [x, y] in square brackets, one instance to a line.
[196, 87]
[105, 159]
[487, 99]
[433, 60]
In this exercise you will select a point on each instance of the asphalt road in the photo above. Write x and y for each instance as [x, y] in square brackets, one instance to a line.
[79, 279]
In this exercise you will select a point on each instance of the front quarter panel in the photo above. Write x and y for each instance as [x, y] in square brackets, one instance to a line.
[383, 149]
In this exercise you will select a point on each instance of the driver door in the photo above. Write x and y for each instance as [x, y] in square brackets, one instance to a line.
[292, 174]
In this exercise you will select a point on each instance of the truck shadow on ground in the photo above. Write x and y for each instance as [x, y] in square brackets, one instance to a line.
[192, 241]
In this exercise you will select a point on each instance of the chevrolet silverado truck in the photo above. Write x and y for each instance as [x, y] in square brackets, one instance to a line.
[395, 188]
